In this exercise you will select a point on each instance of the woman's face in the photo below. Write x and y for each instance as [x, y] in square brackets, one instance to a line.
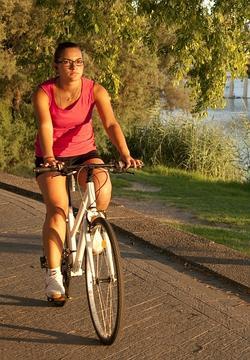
[70, 65]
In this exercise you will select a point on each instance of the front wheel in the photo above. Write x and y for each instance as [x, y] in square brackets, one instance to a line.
[104, 281]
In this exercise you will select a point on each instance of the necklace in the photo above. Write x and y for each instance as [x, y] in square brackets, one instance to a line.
[73, 95]
[68, 98]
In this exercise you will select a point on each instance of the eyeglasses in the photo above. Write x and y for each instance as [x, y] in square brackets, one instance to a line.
[70, 63]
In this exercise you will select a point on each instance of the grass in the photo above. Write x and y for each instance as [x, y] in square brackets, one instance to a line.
[237, 239]
[225, 206]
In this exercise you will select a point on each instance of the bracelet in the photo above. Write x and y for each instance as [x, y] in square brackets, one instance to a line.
[48, 157]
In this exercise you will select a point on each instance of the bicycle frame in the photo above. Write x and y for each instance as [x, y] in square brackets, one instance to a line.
[81, 224]
[86, 212]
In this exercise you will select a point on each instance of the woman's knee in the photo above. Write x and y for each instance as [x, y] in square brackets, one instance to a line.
[103, 195]
[103, 184]
[56, 214]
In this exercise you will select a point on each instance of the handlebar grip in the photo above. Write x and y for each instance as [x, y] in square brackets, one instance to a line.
[40, 170]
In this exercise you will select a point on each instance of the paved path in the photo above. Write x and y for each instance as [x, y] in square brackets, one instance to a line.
[223, 261]
[172, 311]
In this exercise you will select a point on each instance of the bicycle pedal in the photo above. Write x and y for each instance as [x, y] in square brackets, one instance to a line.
[43, 262]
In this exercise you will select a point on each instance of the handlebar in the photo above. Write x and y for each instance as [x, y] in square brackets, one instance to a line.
[115, 167]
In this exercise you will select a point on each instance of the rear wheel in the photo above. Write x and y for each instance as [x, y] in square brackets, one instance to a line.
[105, 290]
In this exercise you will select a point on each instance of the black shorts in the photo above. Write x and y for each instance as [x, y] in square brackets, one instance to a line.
[70, 160]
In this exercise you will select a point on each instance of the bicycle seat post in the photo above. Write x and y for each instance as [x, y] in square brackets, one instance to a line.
[72, 183]
[89, 174]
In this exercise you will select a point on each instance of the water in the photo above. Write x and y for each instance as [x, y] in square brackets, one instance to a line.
[235, 108]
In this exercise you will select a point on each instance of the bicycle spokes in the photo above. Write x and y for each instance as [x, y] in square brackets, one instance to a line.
[104, 282]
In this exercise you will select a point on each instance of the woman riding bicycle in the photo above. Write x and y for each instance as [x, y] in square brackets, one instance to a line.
[63, 106]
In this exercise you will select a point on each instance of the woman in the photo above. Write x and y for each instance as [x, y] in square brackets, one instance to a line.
[63, 106]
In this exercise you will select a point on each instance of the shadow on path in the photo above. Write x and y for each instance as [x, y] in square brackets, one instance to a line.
[20, 247]
[18, 190]
[55, 337]
[12, 300]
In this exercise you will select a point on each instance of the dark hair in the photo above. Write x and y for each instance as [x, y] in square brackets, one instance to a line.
[61, 47]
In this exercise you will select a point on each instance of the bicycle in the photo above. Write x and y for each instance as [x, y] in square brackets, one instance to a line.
[89, 233]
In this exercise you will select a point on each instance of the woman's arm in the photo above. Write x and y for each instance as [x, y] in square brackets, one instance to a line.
[45, 127]
[111, 125]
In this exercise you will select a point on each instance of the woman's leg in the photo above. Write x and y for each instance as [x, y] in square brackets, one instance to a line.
[55, 197]
[103, 186]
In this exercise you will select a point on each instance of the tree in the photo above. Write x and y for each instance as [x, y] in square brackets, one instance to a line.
[207, 42]
[114, 50]
[139, 50]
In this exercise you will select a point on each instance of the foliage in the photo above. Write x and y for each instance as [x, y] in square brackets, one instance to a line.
[16, 137]
[207, 42]
[160, 42]
[115, 41]
[141, 51]
[109, 36]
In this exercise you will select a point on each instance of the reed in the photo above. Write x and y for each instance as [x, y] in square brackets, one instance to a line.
[188, 144]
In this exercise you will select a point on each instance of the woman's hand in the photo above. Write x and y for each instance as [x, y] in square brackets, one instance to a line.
[50, 161]
[129, 161]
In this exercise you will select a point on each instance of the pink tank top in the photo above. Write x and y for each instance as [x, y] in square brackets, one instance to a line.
[72, 127]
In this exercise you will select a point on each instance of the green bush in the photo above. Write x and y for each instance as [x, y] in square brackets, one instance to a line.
[187, 144]
[17, 132]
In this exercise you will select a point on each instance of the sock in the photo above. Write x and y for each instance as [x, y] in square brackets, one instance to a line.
[54, 271]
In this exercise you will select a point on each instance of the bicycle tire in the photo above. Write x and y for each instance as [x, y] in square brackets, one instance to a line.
[105, 294]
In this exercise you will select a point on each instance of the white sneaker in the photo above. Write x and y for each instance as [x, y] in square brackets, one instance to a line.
[54, 284]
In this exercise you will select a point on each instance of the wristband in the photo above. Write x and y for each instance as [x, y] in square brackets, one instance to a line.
[48, 157]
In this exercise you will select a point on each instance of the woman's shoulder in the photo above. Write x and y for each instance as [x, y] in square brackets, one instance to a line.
[47, 87]
[47, 83]
[88, 82]
[44, 90]
[100, 92]
[96, 90]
